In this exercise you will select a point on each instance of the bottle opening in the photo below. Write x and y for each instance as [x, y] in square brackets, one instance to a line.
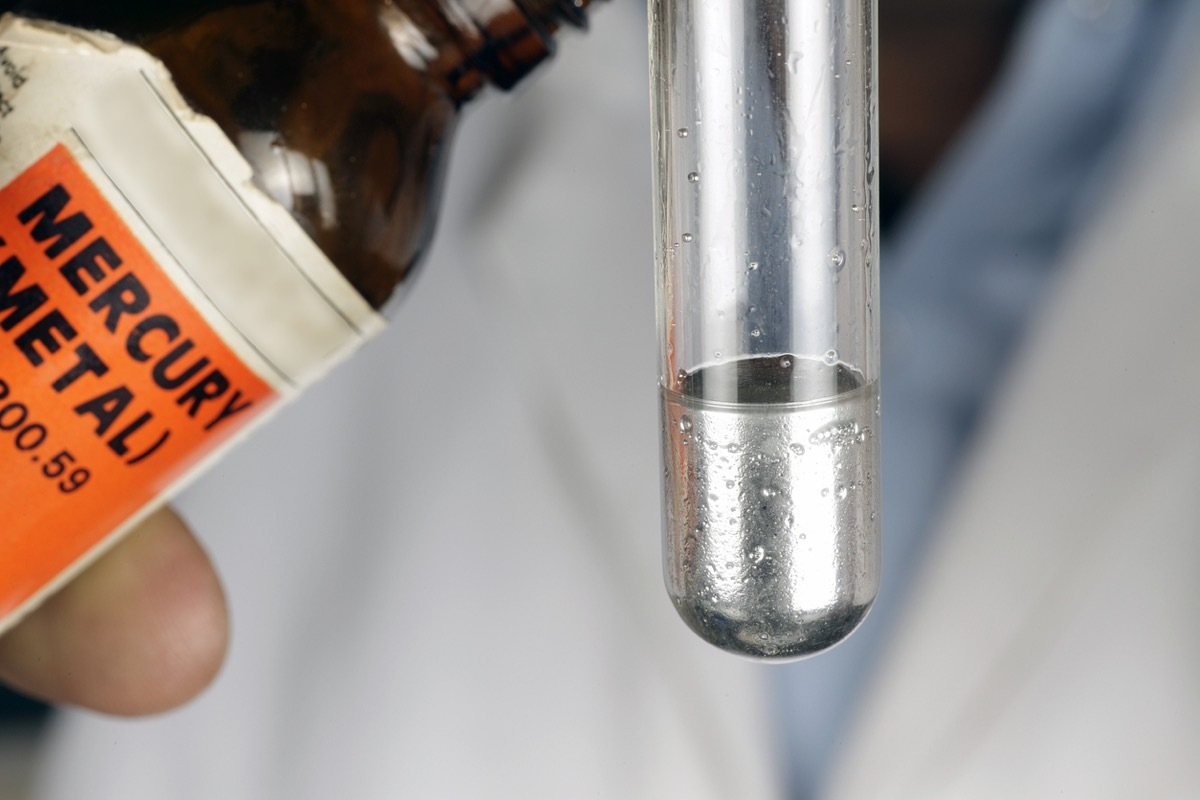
[517, 35]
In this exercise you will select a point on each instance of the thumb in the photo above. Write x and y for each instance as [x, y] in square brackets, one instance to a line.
[142, 630]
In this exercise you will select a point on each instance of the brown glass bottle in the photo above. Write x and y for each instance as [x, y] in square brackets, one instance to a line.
[363, 92]
[166, 169]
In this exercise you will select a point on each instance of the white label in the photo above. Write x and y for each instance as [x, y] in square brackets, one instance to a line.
[188, 193]
[155, 305]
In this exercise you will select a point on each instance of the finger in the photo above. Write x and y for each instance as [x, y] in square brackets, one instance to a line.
[142, 630]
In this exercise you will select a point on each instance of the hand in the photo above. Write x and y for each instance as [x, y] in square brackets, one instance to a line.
[142, 630]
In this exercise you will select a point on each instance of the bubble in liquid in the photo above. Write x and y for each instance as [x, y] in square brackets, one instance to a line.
[837, 259]
[785, 362]
[682, 132]
[756, 333]
[797, 448]
[693, 177]
[758, 554]
[687, 237]
[753, 266]
[831, 357]
[836, 434]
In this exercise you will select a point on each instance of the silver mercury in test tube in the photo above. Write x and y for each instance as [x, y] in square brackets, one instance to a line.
[765, 128]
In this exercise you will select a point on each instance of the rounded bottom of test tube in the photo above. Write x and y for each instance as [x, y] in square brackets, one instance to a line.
[807, 635]
[771, 534]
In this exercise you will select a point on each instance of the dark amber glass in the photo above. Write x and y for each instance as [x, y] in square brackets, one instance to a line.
[345, 108]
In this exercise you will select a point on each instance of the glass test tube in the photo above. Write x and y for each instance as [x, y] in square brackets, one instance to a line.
[765, 223]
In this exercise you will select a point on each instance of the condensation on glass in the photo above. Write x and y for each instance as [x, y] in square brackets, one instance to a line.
[765, 139]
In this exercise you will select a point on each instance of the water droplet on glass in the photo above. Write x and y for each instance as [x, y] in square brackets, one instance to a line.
[837, 259]
[842, 492]
[797, 448]
[693, 177]
[729, 484]
[757, 555]
[768, 492]
[687, 237]
[753, 266]
[733, 447]
[756, 333]
[825, 492]
[682, 132]
[831, 357]
[685, 423]
[785, 362]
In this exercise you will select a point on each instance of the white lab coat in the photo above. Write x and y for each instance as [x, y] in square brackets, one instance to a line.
[443, 562]
[1051, 647]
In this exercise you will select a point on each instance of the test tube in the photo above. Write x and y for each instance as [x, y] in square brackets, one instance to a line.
[765, 123]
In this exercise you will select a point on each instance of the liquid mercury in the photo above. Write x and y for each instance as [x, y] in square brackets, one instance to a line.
[772, 529]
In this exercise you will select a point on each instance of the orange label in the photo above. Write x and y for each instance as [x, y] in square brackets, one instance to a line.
[112, 385]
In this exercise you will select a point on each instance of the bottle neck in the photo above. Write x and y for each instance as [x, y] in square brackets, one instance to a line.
[493, 41]
[506, 39]
[555, 12]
